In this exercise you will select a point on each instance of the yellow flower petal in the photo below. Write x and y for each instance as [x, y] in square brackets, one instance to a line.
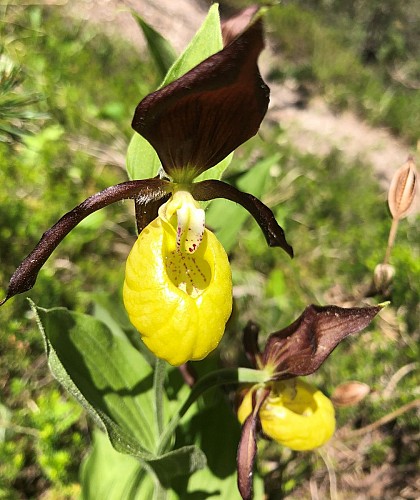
[180, 302]
[295, 414]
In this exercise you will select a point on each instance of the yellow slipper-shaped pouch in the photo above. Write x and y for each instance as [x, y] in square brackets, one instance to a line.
[295, 414]
[179, 298]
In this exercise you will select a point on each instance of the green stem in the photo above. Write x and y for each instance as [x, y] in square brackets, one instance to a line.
[213, 379]
[158, 381]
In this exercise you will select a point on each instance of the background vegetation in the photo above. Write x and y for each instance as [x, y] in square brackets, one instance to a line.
[73, 91]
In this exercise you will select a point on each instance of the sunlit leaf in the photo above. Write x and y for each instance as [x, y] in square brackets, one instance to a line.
[160, 49]
[105, 473]
[105, 374]
[206, 42]
[114, 383]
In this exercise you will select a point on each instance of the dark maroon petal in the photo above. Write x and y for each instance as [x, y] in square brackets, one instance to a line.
[24, 277]
[302, 347]
[250, 342]
[235, 25]
[197, 120]
[274, 234]
[247, 448]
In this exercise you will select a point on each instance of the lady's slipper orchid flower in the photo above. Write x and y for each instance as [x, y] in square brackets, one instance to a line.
[285, 408]
[294, 413]
[177, 288]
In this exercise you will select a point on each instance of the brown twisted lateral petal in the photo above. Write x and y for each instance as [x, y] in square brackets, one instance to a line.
[147, 210]
[274, 234]
[302, 347]
[24, 277]
[247, 448]
[196, 121]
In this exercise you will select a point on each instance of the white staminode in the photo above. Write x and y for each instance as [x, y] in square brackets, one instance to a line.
[190, 220]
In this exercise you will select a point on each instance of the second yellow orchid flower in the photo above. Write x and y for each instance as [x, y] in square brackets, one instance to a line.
[295, 414]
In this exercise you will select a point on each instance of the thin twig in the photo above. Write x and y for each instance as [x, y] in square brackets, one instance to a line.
[398, 375]
[313, 489]
[391, 239]
[331, 474]
[382, 421]
[19, 429]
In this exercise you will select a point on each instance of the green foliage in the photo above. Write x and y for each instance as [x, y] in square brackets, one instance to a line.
[116, 386]
[160, 49]
[74, 69]
[116, 476]
[206, 42]
[48, 430]
[253, 181]
[15, 113]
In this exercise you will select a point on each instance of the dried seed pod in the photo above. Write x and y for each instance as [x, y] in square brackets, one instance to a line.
[403, 189]
[349, 393]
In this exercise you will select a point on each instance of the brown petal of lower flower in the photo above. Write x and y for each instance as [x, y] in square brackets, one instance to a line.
[197, 120]
[302, 347]
[250, 342]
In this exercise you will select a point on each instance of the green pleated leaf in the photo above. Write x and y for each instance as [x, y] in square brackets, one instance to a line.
[142, 160]
[217, 431]
[105, 373]
[206, 42]
[105, 473]
[110, 475]
[114, 383]
[221, 211]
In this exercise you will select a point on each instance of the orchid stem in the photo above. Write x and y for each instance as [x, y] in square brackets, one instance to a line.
[158, 381]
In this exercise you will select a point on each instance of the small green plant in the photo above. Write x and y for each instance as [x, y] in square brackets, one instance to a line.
[16, 116]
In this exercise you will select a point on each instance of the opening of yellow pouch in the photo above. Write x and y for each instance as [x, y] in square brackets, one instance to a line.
[191, 273]
[294, 395]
